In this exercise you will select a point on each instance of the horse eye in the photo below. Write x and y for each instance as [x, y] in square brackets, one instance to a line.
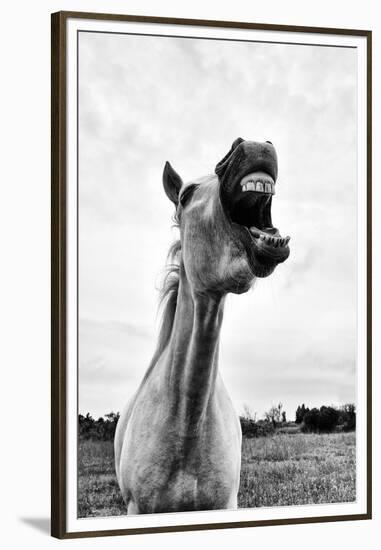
[186, 194]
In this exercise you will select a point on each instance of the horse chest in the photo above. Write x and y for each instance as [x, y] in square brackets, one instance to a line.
[164, 469]
[182, 483]
[175, 475]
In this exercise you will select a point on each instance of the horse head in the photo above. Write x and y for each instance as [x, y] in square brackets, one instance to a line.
[226, 231]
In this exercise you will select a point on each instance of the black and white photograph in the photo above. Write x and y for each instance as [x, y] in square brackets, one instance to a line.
[190, 222]
[217, 276]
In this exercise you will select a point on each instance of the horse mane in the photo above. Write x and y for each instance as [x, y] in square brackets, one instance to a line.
[168, 301]
[168, 294]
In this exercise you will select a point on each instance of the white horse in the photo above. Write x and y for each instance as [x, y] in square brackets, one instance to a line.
[178, 441]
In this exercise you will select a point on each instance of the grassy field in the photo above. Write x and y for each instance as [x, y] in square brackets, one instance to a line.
[287, 469]
[278, 470]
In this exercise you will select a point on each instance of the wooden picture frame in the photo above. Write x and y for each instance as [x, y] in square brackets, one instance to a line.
[62, 140]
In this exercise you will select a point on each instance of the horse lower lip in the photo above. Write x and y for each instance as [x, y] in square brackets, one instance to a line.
[267, 231]
[254, 231]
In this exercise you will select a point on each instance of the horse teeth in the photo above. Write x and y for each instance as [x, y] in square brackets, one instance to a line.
[259, 187]
[276, 242]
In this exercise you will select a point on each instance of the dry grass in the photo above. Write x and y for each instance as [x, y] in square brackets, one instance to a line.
[98, 490]
[283, 469]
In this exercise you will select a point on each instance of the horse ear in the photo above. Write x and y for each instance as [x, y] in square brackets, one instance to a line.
[172, 183]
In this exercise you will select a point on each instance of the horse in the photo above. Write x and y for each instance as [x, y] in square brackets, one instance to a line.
[178, 440]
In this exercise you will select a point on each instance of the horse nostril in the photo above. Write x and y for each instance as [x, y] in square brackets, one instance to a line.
[269, 142]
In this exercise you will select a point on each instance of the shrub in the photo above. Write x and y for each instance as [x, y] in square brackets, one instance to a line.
[310, 421]
[323, 420]
[328, 419]
[250, 428]
[300, 413]
[102, 429]
[347, 417]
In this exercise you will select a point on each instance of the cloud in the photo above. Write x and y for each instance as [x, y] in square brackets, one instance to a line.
[145, 100]
[112, 358]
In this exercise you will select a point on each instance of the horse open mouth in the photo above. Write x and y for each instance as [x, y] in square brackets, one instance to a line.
[250, 208]
[247, 176]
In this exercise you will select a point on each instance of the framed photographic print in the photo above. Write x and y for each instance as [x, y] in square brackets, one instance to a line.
[211, 274]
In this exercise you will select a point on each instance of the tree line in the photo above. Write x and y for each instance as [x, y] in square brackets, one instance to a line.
[102, 429]
[326, 419]
[323, 420]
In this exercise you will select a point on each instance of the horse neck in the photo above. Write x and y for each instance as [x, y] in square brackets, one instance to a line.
[193, 356]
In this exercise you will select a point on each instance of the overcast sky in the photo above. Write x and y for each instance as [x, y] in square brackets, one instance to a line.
[146, 100]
